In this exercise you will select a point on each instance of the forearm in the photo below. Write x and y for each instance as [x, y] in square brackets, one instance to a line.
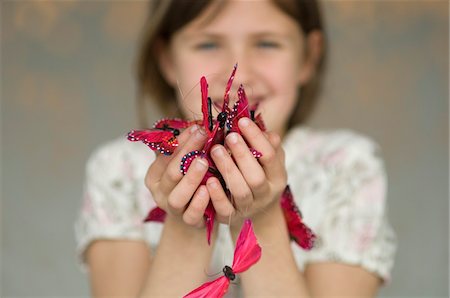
[180, 260]
[276, 273]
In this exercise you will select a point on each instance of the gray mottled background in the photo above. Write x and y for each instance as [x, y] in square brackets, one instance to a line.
[67, 86]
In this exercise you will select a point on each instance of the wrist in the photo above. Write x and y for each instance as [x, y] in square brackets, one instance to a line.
[174, 225]
[269, 220]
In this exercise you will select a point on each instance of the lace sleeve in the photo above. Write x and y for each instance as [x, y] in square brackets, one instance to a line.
[354, 228]
[110, 207]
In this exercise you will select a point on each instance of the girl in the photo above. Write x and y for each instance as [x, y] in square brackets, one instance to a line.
[337, 177]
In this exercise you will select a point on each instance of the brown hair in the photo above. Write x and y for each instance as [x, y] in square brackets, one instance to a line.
[168, 16]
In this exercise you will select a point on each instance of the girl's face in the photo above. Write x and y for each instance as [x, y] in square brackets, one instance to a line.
[266, 43]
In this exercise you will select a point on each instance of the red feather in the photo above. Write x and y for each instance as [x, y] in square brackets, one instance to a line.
[246, 254]
[205, 112]
[158, 140]
[240, 110]
[298, 231]
[173, 123]
[210, 215]
[226, 96]
[156, 214]
[247, 251]
[216, 288]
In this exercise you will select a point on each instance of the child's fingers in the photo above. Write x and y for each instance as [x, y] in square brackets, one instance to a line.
[248, 165]
[194, 213]
[155, 171]
[242, 194]
[220, 201]
[172, 174]
[185, 189]
[275, 140]
[270, 160]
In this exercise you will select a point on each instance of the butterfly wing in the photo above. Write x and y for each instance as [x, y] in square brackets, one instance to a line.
[156, 214]
[247, 251]
[226, 96]
[298, 231]
[243, 110]
[240, 109]
[216, 288]
[217, 136]
[210, 214]
[172, 123]
[158, 140]
[205, 109]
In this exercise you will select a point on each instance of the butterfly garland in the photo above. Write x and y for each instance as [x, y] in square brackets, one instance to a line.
[162, 138]
[246, 253]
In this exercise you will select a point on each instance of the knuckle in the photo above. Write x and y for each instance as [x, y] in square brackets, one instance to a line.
[240, 152]
[189, 219]
[173, 203]
[244, 197]
[173, 174]
[196, 206]
[269, 156]
[257, 182]
[225, 213]
[275, 139]
[217, 198]
[191, 180]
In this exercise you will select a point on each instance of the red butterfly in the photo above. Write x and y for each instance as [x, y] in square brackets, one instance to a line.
[162, 137]
[298, 231]
[215, 130]
[246, 253]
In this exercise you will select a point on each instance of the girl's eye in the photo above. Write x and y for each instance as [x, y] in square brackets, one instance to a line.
[268, 44]
[206, 46]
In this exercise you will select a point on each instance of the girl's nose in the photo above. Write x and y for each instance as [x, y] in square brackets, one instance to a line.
[240, 55]
[245, 70]
[244, 74]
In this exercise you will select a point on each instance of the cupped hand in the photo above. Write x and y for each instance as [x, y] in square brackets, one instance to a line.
[181, 196]
[255, 184]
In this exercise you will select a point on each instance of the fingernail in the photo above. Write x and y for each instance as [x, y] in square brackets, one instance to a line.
[217, 151]
[244, 122]
[232, 138]
[202, 191]
[212, 183]
[201, 164]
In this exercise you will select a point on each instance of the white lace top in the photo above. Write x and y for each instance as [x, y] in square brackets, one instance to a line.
[337, 178]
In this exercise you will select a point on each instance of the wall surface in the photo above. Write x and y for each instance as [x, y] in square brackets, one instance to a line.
[67, 86]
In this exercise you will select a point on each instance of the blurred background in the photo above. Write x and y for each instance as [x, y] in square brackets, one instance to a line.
[67, 86]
